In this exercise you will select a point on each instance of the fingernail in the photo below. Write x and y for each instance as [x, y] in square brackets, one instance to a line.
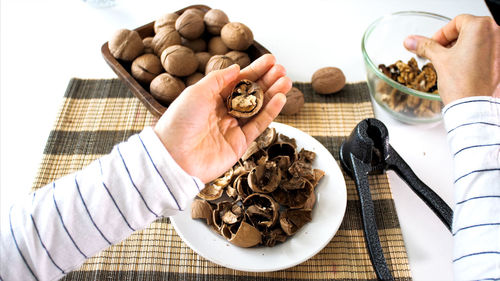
[410, 43]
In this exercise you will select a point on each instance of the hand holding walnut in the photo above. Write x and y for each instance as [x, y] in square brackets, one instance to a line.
[466, 55]
[198, 131]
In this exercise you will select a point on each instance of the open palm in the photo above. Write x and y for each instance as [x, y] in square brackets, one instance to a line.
[199, 133]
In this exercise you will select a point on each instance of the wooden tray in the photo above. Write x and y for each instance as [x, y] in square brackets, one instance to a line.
[141, 91]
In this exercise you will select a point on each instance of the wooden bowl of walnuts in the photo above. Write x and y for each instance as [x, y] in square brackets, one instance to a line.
[158, 60]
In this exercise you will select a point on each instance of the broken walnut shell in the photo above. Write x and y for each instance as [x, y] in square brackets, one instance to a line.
[201, 209]
[292, 220]
[245, 100]
[263, 208]
[246, 236]
[265, 178]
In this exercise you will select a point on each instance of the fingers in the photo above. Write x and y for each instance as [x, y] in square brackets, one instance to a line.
[261, 121]
[258, 68]
[449, 33]
[271, 76]
[423, 46]
[283, 85]
[216, 81]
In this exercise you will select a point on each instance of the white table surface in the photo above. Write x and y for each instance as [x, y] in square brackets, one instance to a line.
[45, 43]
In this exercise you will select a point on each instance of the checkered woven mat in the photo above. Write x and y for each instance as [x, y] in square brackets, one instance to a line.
[97, 114]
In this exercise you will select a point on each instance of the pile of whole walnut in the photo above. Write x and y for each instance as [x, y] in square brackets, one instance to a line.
[264, 198]
[184, 48]
[409, 75]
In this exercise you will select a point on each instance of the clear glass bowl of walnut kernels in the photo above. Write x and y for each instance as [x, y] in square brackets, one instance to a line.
[383, 44]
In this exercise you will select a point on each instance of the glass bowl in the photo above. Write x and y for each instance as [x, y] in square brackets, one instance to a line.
[382, 43]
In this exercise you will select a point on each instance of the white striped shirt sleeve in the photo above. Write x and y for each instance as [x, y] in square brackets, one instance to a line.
[473, 126]
[55, 229]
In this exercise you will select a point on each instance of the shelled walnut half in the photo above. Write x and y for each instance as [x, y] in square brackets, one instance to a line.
[245, 100]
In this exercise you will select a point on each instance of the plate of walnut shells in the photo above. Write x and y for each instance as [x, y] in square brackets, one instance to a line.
[279, 205]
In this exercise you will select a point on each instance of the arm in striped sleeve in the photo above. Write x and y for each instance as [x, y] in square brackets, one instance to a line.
[473, 126]
[57, 227]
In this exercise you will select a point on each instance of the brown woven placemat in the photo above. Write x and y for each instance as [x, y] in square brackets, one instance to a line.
[96, 114]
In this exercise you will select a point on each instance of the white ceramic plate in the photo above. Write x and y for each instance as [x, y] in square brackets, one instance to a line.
[331, 200]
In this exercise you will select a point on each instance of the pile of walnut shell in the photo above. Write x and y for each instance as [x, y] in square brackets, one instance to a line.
[264, 198]
[184, 48]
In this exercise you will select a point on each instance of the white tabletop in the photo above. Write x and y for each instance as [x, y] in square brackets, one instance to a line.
[45, 43]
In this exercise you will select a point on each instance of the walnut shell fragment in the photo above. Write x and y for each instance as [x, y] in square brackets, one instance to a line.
[292, 220]
[214, 189]
[246, 236]
[201, 209]
[265, 178]
[245, 100]
[261, 209]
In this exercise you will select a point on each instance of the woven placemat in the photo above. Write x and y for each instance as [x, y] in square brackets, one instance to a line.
[97, 114]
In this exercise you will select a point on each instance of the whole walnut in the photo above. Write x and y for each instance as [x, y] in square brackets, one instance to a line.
[237, 36]
[190, 25]
[218, 62]
[166, 20]
[193, 78]
[166, 87]
[179, 60]
[294, 102]
[165, 38]
[216, 46]
[148, 45]
[240, 58]
[126, 45]
[200, 12]
[197, 45]
[146, 67]
[202, 58]
[328, 80]
[215, 19]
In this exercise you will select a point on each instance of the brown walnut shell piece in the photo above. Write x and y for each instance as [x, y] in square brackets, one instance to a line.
[246, 236]
[265, 178]
[292, 220]
[201, 209]
[214, 189]
[262, 141]
[261, 209]
[245, 100]
[328, 80]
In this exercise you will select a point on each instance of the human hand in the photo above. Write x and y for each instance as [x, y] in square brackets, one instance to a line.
[199, 133]
[466, 56]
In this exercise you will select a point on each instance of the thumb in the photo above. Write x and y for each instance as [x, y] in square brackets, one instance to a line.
[423, 47]
[216, 81]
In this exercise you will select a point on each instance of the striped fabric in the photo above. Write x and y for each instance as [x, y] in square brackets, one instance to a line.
[97, 114]
[473, 126]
